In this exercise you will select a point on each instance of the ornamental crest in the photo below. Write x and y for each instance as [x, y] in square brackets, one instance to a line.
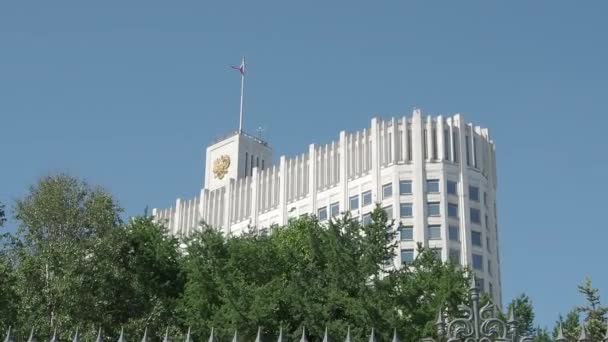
[220, 166]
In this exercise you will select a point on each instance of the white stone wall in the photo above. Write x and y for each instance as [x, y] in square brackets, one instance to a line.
[413, 148]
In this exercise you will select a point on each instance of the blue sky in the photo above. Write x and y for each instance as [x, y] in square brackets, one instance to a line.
[128, 94]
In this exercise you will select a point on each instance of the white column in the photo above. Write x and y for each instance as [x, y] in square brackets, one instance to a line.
[255, 190]
[441, 152]
[177, 217]
[282, 191]
[463, 188]
[229, 198]
[343, 178]
[312, 176]
[375, 149]
[396, 146]
[419, 178]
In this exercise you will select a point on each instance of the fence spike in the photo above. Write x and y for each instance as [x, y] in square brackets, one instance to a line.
[166, 338]
[99, 338]
[560, 334]
[372, 337]
[395, 337]
[76, 336]
[258, 337]
[303, 338]
[211, 337]
[325, 337]
[188, 337]
[236, 336]
[54, 338]
[583, 336]
[32, 338]
[8, 336]
[347, 339]
[280, 338]
[121, 338]
[145, 337]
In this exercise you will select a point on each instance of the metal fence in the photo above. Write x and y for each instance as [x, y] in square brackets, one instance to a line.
[471, 323]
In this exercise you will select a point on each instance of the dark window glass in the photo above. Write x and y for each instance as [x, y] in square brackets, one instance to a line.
[452, 210]
[434, 232]
[476, 238]
[474, 193]
[407, 256]
[405, 187]
[475, 215]
[334, 209]
[367, 219]
[406, 233]
[405, 210]
[387, 190]
[367, 198]
[322, 213]
[432, 186]
[354, 202]
[455, 256]
[389, 212]
[478, 262]
[433, 208]
[454, 233]
[452, 188]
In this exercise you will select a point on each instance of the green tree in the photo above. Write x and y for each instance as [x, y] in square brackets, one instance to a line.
[316, 275]
[594, 312]
[8, 296]
[570, 326]
[60, 223]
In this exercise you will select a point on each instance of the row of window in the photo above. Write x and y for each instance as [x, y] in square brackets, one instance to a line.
[406, 233]
[432, 187]
[407, 257]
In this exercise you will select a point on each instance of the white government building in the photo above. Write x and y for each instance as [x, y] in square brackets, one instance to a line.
[435, 176]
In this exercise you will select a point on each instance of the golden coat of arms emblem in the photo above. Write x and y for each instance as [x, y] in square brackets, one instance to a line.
[220, 166]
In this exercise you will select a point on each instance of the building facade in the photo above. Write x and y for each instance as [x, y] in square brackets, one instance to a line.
[435, 176]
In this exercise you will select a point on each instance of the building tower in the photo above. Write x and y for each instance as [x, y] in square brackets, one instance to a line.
[435, 176]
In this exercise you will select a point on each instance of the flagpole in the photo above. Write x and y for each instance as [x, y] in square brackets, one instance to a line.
[242, 94]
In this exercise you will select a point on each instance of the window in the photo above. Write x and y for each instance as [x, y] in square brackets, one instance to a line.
[490, 289]
[322, 213]
[488, 244]
[407, 256]
[334, 209]
[434, 232]
[477, 262]
[452, 188]
[476, 238]
[480, 284]
[405, 210]
[367, 198]
[246, 162]
[389, 212]
[433, 208]
[453, 210]
[406, 233]
[454, 256]
[489, 267]
[475, 215]
[454, 233]
[474, 193]
[487, 222]
[437, 252]
[432, 186]
[405, 187]
[367, 219]
[354, 202]
[387, 190]
[485, 199]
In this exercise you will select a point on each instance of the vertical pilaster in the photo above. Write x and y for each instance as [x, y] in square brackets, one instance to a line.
[255, 190]
[228, 205]
[419, 178]
[282, 191]
[441, 153]
[463, 187]
[177, 218]
[312, 175]
[343, 168]
[395, 142]
[375, 152]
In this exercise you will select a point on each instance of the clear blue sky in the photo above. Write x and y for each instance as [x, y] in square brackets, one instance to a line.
[128, 93]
